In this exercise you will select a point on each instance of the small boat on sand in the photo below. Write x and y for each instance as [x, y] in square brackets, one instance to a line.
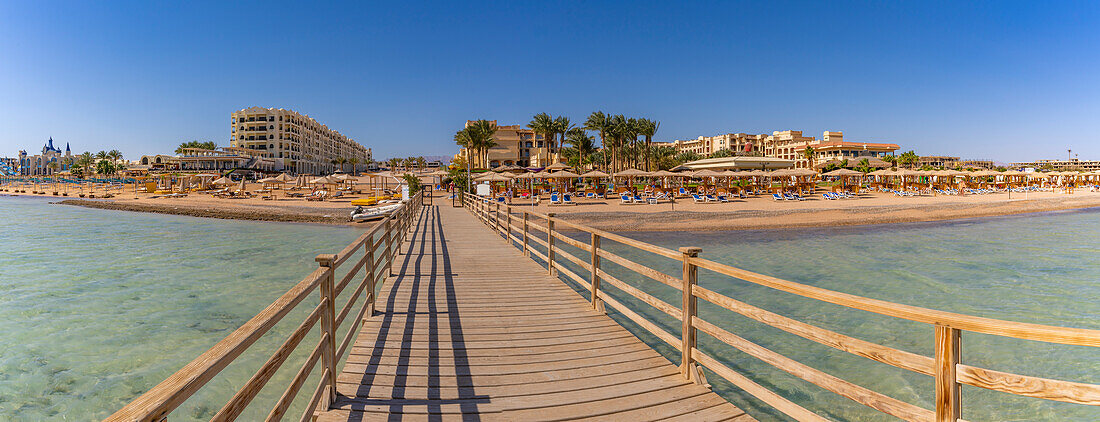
[373, 213]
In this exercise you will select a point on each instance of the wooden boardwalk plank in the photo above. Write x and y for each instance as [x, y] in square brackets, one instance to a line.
[469, 328]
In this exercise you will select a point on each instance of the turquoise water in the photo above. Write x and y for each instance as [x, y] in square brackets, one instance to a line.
[98, 306]
[1039, 268]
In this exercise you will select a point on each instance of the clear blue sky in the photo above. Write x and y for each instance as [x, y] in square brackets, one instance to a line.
[1001, 80]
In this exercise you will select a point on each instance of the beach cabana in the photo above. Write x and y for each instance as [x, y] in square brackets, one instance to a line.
[630, 175]
[843, 174]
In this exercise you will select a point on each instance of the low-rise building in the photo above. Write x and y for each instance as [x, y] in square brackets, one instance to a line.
[843, 150]
[941, 161]
[1061, 165]
[159, 162]
[786, 144]
[227, 158]
[298, 141]
[515, 145]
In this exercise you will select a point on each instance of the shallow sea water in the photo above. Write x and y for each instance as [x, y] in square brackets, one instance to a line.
[1037, 268]
[98, 306]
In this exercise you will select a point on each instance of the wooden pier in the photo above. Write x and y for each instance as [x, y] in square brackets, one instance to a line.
[470, 328]
[462, 313]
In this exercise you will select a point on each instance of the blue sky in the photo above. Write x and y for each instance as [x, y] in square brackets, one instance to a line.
[1001, 80]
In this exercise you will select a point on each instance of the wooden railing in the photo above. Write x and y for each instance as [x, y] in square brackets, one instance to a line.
[157, 403]
[516, 226]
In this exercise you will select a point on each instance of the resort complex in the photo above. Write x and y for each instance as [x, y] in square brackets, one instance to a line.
[787, 144]
[297, 142]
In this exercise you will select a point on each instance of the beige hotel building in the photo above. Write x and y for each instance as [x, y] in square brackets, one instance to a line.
[301, 143]
[786, 144]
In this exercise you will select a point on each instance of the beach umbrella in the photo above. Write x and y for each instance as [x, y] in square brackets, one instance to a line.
[564, 174]
[223, 181]
[632, 173]
[556, 166]
[493, 177]
[594, 173]
[843, 172]
[284, 177]
[706, 173]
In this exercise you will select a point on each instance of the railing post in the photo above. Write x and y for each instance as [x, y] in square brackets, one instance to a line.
[525, 253]
[948, 403]
[508, 223]
[328, 327]
[389, 248]
[550, 243]
[496, 217]
[595, 243]
[371, 280]
[687, 365]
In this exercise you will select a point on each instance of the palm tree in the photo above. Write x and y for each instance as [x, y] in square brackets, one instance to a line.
[421, 162]
[598, 121]
[864, 166]
[808, 154]
[477, 136]
[909, 158]
[561, 127]
[334, 162]
[893, 160]
[543, 124]
[85, 161]
[648, 128]
[582, 142]
[115, 155]
[664, 156]
[354, 164]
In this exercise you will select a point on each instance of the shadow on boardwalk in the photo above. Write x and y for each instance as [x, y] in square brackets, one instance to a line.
[470, 329]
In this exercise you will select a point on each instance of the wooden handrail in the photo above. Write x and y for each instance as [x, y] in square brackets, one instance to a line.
[166, 396]
[944, 367]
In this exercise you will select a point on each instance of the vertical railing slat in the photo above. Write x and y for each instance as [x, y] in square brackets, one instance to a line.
[328, 327]
[688, 310]
[948, 403]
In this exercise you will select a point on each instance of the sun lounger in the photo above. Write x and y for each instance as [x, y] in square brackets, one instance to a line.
[698, 199]
[776, 197]
[625, 199]
[554, 199]
[567, 199]
[638, 200]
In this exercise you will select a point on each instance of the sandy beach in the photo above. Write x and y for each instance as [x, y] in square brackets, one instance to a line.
[684, 215]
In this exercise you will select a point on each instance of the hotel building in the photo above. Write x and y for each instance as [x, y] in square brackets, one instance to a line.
[517, 146]
[706, 145]
[941, 161]
[787, 144]
[298, 142]
[1062, 165]
[40, 165]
